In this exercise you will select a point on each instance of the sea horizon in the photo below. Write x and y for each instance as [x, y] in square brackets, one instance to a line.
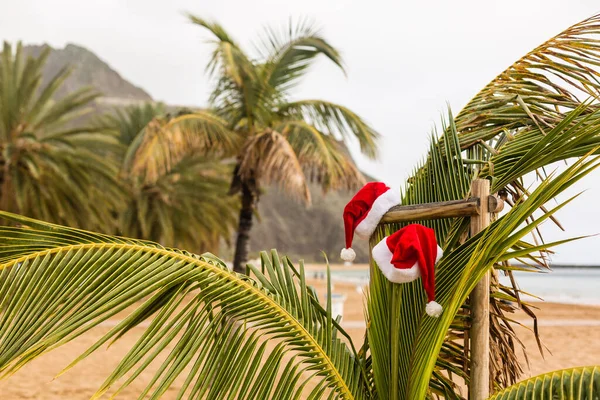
[561, 284]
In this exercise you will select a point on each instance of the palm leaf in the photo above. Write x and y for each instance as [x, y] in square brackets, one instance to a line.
[228, 56]
[573, 383]
[576, 135]
[53, 119]
[74, 187]
[539, 88]
[168, 186]
[127, 123]
[323, 159]
[238, 92]
[288, 54]
[269, 158]
[415, 339]
[167, 210]
[333, 119]
[57, 283]
[45, 174]
[163, 142]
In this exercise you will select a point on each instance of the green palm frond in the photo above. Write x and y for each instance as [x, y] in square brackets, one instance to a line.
[73, 187]
[333, 119]
[415, 340]
[177, 195]
[288, 54]
[57, 283]
[165, 141]
[576, 135]
[52, 120]
[26, 106]
[44, 173]
[228, 56]
[185, 207]
[573, 383]
[444, 176]
[323, 159]
[238, 90]
[537, 90]
[126, 124]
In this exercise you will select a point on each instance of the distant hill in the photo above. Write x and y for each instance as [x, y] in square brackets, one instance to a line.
[301, 232]
[284, 224]
[88, 70]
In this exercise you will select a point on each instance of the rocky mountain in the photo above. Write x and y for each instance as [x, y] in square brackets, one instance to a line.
[304, 232]
[291, 227]
[88, 70]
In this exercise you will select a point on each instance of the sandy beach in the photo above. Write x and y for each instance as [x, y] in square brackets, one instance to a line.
[571, 333]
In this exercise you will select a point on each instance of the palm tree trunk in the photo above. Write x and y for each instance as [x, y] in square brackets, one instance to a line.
[242, 245]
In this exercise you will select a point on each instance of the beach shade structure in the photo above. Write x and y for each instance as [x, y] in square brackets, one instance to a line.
[408, 254]
[364, 211]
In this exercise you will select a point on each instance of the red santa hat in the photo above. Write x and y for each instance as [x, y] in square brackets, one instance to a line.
[408, 254]
[363, 212]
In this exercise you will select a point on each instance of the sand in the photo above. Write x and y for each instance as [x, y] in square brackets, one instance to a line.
[571, 332]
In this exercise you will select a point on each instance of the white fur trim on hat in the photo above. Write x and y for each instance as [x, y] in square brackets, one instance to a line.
[380, 206]
[348, 254]
[383, 257]
[439, 255]
[433, 309]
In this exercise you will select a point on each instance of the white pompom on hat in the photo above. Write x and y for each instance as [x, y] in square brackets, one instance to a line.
[363, 213]
[408, 254]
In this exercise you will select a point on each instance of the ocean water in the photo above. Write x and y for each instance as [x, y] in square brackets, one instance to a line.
[561, 285]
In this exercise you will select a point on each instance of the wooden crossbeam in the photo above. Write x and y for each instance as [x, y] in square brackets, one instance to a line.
[443, 209]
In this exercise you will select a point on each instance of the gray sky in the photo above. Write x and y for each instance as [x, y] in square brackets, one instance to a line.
[405, 61]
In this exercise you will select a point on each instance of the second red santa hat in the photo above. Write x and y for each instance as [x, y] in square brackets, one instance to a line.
[408, 254]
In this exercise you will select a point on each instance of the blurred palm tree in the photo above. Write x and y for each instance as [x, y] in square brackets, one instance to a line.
[43, 174]
[273, 139]
[177, 201]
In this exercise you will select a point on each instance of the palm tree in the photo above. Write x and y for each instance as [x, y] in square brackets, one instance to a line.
[178, 201]
[265, 334]
[43, 174]
[280, 141]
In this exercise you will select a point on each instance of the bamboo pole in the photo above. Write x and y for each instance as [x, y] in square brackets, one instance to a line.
[480, 306]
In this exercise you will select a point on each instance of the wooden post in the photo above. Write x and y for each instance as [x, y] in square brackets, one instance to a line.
[480, 306]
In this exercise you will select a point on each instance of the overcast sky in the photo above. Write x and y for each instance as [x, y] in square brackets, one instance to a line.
[406, 60]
